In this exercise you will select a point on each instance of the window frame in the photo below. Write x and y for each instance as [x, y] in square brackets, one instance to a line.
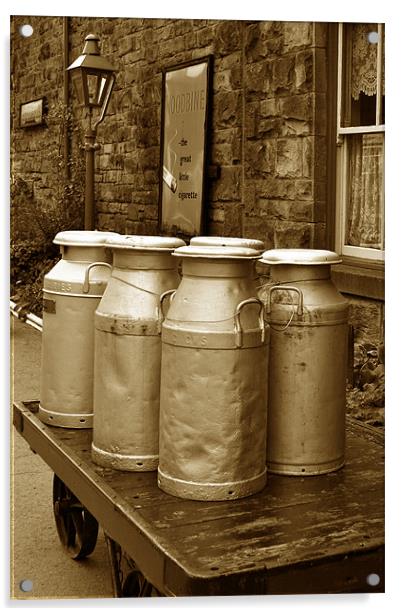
[368, 255]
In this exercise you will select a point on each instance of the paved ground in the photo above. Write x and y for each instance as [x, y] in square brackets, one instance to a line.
[36, 553]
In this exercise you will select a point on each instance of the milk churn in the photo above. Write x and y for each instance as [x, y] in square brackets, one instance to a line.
[213, 393]
[128, 352]
[71, 293]
[307, 365]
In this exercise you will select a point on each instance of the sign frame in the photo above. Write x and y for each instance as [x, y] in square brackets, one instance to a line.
[30, 108]
[185, 121]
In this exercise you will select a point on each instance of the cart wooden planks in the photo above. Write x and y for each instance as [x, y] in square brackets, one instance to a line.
[322, 534]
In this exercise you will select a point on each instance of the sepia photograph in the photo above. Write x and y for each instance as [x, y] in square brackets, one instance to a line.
[197, 307]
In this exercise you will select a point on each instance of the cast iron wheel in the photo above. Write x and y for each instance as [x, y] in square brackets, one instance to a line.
[76, 527]
[136, 585]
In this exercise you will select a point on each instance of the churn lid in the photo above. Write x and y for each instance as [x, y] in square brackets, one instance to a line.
[84, 238]
[145, 242]
[299, 256]
[214, 240]
[217, 252]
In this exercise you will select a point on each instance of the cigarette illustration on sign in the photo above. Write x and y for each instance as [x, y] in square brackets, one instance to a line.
[185, 95]
[169, 179]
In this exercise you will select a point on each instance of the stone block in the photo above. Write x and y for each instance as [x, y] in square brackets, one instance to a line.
[125, 45]
[233, 219]
[296, 35]
[292, 235]
[304, 190]
[228, 36]
[283, 76]
[228, 187]
[282, 210]
[270, 108]
[295, 128]
[277, 188]
[258, 78]
[268, 128]
[297, 107]
[226, 154]
[260, 156]
[289, 158]
[216, 214]
[132, 211]
[304, 72]
[258, 228]
[260, 44]
[227, 109]
[205, 37]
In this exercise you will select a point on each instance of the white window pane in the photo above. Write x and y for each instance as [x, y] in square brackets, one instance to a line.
[364, 212]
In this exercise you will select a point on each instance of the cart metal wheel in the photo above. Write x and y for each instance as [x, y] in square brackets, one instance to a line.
[76, 527]
[135, 585]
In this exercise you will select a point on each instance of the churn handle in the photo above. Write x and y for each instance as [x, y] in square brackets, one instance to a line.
[300, 308]
[237, 321]
[160, 313]
[85, 286]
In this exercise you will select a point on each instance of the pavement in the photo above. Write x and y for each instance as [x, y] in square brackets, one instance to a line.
[37, 558]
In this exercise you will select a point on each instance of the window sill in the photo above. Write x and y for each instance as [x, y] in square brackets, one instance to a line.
[355, 278]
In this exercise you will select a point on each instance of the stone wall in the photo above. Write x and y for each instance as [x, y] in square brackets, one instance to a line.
[36, 152]
[267, 132]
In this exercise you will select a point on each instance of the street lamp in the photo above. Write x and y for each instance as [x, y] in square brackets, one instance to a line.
[93, 77]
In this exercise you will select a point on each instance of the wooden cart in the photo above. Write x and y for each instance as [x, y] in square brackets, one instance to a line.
[322, 534]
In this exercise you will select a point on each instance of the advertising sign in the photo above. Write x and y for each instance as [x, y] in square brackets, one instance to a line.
[183, 150]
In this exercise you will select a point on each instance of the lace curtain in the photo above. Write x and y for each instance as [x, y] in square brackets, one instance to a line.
[364, 61]
[364, 224]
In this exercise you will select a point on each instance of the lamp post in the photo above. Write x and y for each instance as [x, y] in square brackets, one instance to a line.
[93, 78]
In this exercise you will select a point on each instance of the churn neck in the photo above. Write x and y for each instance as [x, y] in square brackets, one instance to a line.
[144, 252]
[299, 264]
[217, 261]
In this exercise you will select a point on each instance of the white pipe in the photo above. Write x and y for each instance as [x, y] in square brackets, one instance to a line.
[27, 317]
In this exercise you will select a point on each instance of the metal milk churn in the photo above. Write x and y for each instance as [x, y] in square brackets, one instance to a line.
[307, 363]
[71, 293]
[213, 392]
[128, 352]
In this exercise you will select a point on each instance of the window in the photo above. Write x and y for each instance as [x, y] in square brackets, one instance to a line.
[360, 141]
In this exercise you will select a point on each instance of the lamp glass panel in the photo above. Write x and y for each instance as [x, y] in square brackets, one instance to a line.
[92, 81]
[102, 88]
[77, 81]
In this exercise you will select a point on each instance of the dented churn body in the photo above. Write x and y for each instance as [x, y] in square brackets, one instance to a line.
[308, 320]
[71, 293]
[128, 352]
[213, 392]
